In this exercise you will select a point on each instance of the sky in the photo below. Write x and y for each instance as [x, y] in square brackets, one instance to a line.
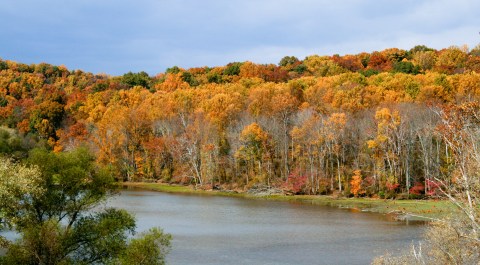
[118, 36]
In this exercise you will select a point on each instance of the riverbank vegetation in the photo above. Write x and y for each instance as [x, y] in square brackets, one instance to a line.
[455, 239]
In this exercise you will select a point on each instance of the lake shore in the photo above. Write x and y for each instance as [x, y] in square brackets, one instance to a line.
[412, 210]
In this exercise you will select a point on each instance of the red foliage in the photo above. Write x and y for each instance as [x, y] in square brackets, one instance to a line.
[368, 181]
[378, 61]
[432, 187]
[273, 73]
[350, 62]
[296, 183]
[392, 187]
[417, 189]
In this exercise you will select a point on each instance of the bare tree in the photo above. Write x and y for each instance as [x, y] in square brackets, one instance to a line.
[454, 240]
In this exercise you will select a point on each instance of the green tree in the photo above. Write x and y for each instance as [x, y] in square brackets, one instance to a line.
[136, 79]
[232, 69]
[190, 79]
[3, 65]
[14, 189]
[51, 204]
[288, 60]
[12, 144]
[417, 49]
[173, 70]
[406, 67]
[150, 249]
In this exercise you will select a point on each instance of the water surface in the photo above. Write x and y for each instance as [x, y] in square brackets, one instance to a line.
[225, 230]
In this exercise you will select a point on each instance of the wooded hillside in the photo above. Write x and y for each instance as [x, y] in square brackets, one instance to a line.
[373, 124]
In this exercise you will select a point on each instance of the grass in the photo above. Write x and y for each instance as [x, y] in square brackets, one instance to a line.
[399, 209]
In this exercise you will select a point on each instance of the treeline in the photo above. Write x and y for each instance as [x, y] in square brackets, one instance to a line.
[366, 124]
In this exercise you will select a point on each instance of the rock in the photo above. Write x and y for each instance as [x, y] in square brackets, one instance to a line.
[262, 190]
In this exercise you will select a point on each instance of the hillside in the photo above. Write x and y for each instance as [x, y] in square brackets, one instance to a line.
[370, 124]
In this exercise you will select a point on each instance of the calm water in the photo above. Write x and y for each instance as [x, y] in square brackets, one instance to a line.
[222, 230]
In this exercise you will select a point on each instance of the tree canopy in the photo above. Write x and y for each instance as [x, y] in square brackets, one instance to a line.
[53, 201]
[185, 125]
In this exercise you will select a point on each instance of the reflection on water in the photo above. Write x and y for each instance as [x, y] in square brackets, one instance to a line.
[222, 230]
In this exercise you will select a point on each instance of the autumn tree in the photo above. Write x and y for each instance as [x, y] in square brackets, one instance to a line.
[384, 150]
[356, 183]
[460, 130]
[254, 151]
[424, 59]
[184, 125]
[322, 66]
[455, 239]
[350, 62]
[334, 139]
[310, 150]
[379, 61]
[451, 60]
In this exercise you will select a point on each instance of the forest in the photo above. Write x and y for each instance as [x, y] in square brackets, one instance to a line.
[388, 124]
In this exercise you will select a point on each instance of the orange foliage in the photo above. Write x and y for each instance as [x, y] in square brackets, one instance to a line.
[321, 117]
[356, 183]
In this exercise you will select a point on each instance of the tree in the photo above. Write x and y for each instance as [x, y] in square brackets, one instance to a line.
[12, 145]
[460, 130]
[47, 117]
[356, 183]
[190, 79]
[254, 148]
[454, 240]
[149, 249]
[473, 64]
[379, 61]
[232, 69]
[18, 183]
[385, 148]
[136, 79]
[419, 48]
[424, 59]
[335, 131]
[310, 149]
[288, 60]
[284, 106]
[405, 67]
[451, 60]
[50, 204]
[174, 81]
[322, 66]
[349, 62]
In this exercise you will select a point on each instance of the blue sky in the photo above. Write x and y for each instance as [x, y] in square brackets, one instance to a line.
[118, 36]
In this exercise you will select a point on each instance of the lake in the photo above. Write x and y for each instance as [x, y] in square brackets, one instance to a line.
[226, 230]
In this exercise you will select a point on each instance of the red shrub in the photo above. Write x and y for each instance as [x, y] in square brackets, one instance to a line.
[392, 187]
[296, 183]
[418, 189]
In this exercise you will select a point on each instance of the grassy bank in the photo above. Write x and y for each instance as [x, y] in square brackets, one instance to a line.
[411, 209]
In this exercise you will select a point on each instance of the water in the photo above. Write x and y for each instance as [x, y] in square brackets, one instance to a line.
[224, 230]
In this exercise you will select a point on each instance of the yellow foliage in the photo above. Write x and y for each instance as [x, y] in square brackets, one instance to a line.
[372, 144]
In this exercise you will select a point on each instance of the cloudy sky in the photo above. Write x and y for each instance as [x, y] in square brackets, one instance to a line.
[118, 36]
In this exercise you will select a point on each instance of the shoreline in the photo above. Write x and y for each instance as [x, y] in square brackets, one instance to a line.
[399, 210]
